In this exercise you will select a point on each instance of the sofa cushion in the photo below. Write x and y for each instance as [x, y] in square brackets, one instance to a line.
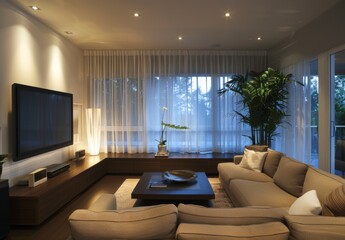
[106, 201]
[188, 213]
[290, 176]
[334, 204]
[316, 227]
[134, 223]
[253, 160]
[271, 162]
[307, 204]
[267, 231]
[249, 193]
[257, 148]
[230, 171]
[323, 182]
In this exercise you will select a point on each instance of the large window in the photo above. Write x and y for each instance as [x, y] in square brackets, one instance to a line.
[132, 87]
[314, 105]
[132, 111]
[338, 112]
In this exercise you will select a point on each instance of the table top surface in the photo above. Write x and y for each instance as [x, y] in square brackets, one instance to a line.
[152, 186]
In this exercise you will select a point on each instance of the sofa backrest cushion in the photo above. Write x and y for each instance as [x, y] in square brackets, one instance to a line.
[321, 181]
[153, 222]
[290, 176]
[316, 228]
[266, 231]
[334, 204]
[272, 162]
[257, 148]
[189, 213]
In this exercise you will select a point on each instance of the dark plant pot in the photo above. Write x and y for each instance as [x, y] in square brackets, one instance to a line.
[0, 169]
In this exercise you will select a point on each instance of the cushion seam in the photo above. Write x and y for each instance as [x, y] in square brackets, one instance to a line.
[117, 221]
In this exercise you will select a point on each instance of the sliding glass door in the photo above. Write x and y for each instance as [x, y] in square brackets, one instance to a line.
[338, 113]
[314, 112]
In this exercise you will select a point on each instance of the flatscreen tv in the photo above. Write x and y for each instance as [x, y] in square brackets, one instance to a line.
[43, 120]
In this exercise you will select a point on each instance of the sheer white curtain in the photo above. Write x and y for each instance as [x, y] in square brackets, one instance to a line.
[295, 136]
[132, 86]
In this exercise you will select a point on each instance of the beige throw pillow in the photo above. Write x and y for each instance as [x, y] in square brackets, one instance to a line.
[272, 162]
[307, 204]
[334, 204]
[290, 176]
[253, 160]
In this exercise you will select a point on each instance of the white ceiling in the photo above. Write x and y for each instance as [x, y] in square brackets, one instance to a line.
[105, 24]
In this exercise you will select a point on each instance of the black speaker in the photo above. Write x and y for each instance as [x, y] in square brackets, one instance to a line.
[80, 154]
[4, 208]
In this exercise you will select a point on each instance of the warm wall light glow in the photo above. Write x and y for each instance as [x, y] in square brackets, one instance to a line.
[56, 69]
[93, 129]
[23, 57]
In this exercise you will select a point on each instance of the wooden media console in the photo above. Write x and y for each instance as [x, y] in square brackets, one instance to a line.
[32, 206]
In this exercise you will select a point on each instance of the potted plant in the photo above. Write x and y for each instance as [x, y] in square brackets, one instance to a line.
[2, 160]
[264, 98]
[162, 149]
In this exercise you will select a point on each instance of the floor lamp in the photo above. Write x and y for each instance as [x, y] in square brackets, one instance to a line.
[93, 129]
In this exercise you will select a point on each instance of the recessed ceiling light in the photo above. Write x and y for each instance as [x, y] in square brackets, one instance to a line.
[180, 38]
[35, 8]
[259, 38]
[136, 14]
[227, 14]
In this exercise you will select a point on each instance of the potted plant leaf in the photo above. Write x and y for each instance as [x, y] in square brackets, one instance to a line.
[264, 98]
[2, 160]
[162, 149]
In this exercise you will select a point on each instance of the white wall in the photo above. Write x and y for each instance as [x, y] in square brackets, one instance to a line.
[32, 54]
[322, 34]
[317, 40]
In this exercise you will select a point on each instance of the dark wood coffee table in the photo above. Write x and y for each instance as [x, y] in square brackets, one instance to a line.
[195, 190]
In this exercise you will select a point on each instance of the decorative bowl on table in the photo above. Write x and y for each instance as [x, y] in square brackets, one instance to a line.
[179, 175]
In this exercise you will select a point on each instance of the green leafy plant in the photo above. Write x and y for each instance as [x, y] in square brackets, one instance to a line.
[165, 125]
[2, 158]
[264, 98]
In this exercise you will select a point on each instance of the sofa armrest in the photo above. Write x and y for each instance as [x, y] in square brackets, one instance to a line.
[272, 230]
[316, 227]
[104, 202]
[189, 213]
[238, 159]
[133, 223]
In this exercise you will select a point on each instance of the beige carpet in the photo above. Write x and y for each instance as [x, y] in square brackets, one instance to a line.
[123, 194]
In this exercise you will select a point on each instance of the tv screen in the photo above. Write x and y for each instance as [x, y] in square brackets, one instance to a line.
[43, 120]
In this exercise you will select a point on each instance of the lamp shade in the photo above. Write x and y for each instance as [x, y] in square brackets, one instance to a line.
[93, 129]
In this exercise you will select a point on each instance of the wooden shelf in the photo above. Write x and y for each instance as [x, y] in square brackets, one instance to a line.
[139, 163]
[32, 206]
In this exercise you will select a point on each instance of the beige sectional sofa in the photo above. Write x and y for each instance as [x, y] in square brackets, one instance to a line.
[280, 183]
[261, 199]
[184, 222]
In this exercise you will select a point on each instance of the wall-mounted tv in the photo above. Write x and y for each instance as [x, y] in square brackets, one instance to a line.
[43, 120]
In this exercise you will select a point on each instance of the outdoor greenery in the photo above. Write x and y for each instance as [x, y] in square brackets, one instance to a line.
[339, 87]
[264, 98]
[340, 100]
